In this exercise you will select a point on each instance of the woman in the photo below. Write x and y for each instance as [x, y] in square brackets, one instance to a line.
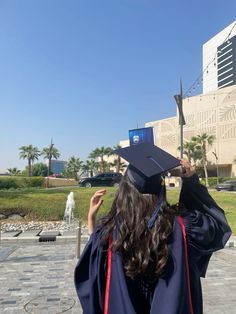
[146, 256]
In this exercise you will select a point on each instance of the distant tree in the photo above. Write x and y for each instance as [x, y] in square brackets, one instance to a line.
[39, 169]
[30, 153]
[117, 163]
[107, 166]
[192, 152]
[197, 155]
[49, 153]
[100, 153]
[13, 171]
[73, 166]
[90, 166]
[201, 143]
[234, 161]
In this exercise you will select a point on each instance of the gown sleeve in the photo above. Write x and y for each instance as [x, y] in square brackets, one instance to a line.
[89, 276]
[206, 226]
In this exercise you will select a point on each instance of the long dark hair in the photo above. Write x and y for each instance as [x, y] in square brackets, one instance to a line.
[144, 251]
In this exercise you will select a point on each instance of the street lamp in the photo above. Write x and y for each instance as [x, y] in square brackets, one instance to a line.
[179, 102]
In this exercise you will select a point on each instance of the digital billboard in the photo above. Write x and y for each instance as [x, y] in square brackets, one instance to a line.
[142, 135]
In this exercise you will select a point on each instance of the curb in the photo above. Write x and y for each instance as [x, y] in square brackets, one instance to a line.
[35, 240]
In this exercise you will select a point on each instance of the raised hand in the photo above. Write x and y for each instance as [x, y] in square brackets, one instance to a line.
[188, 169]
[95, 203]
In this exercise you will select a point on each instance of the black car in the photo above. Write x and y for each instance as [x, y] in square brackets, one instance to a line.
[227, 185]
[102, 179]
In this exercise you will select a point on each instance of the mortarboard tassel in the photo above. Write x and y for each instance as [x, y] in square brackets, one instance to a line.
[157, 208]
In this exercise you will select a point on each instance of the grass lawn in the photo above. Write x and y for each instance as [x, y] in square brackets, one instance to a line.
[49, 204]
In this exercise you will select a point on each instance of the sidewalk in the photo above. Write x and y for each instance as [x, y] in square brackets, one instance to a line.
[38, 279]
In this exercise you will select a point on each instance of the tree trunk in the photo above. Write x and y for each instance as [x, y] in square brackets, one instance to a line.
[49, 167]
[118, 164]
[217, 172]
[102, 165]
[205, 163]
[189, 156]
[206, 174]
[29, 168]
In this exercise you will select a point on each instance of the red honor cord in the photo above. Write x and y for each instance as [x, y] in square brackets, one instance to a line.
[187, 266]
[108, 279]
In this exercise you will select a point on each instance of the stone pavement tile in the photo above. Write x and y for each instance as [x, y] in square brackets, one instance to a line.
[219, 286]
[41, 276]
[10, 234]
[13, 310]
[29, 233]
[5, 252]
[32, 272]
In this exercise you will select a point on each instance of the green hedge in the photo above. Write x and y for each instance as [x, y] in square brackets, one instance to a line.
[20, 182]
[213, 180]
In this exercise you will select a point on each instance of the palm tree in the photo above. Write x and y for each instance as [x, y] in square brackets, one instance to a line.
[192, 152]
[188, 150]
[49, 153]
[30, 153]
[201, 143]
[13, 171]
[91, 166]
[120, 166]
[73, 166]
[100, 153]
[117, 163]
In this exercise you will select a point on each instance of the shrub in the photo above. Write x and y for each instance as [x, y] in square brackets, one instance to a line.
[213, 180]
[21, 182]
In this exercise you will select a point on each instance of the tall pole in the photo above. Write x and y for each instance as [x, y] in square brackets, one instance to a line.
[49, 163]
[181, 141]
[50, 157]
[179, 102]
[217, 168]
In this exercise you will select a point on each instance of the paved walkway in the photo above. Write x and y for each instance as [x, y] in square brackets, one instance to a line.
[38, 279]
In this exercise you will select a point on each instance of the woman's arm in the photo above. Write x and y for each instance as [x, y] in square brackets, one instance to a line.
[95, 203]
[205, 222]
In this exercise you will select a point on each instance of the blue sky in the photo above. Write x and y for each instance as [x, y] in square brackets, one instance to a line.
[85, 72]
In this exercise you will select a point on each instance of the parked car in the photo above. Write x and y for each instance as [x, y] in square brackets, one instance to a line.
[102, 179]
[227, 185]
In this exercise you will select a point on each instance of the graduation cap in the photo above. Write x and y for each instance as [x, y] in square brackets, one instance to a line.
[147, 164]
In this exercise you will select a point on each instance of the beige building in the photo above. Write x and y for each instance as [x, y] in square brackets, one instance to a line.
[213, 113]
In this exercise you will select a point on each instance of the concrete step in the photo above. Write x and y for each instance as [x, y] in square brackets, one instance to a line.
[52, 233]
[29, 234]
[10, 234]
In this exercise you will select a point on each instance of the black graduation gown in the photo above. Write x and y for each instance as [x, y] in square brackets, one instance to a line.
[207, 231]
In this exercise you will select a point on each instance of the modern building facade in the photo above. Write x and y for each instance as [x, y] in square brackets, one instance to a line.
[57, 166]
[211, 113]
[219, 60]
